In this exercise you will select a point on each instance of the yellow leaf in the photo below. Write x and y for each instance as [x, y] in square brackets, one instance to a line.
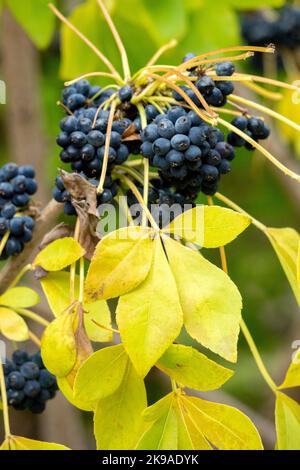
[192, 369]
[118, 417]
[67, 391]
[12, 326]
[298, 266]
[56, 287]
[150, 317]
[59, 254]
[101, 374]
[22, 443]
[98, 312]
[121, 262]
[190, 437]
[287, 415]
[285, 242]
[292, 378]
[19, 297]
[223, 426]
[5, 445]
[210, 301]
[290, 109]
[209, 226]
[59, 345]
[160, 426]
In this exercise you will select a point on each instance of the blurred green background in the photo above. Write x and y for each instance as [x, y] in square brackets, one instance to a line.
[37, 55]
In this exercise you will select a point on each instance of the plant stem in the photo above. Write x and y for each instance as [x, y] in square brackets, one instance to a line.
[81, 278]
[161, 51]
[143, 117]
[174, 386]
[104, 59]
[107, 145]
[33, 316]
[259, 362]
[3, 241]
[4, 402]
[73, 266]
[23, 271]
[94, 74]
[34, 339]
[118, 40]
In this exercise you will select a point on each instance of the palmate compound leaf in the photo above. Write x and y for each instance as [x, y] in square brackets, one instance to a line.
[19, 297]
[22, 443]
[56, 287]
[67, 391]
[287, 416]
[118, 417]
[210, 301]
[101, 374]
[292, 378]
[285, 242]
[59, 254]
[120, 263]
[12, 326]
[190, 368]
[150, 317]
[59, 346]
[181, 422]
[209, 226]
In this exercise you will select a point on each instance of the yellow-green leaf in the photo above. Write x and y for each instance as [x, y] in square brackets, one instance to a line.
[210, 301]
[292, 378]
[5, 445]
[150, 317]
[67, 391]
[101, 374]
[287, 415]
[19, 297]
[209, 226]
[96, 316]
[56, 287]
[59, 254]
[119, 416]
[59, 345]
[190, 437]
[22, 443]
[285, 242]
[223, 426]
[12, 326]
[160, 426]
[192, 369]
[120, 263]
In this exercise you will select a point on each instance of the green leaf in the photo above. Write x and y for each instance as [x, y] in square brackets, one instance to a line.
[67, 391]
[36, 18]
[121, 262]
[59, 345]
[223, 426]
[119, 416]
[210, 301]
[59, 254]
[150, 317]
[292, 378]
[101, 374]
[209, 226]
[255, 4]
[12, 326]
[19, 297]
[285, 242]
[22, 443]
[166, 19]
[192, 369]
[287, 415]
[160, 426]
[56, 287]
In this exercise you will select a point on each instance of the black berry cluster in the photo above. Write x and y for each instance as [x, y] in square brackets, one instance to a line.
[190, 154]
[254, 127]
[280, 27]
[82, 93]
[215, 92]
[163, 202]
[29, 385]
[17, 185]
